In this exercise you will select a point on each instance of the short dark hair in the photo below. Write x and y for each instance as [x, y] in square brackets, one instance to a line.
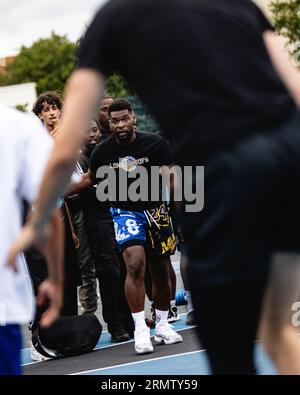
[119, 105]
[96, 120]
[50, 97]
[105, 95]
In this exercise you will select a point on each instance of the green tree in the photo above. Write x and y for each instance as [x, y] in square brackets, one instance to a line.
[286, 18]
[48, 62]
[22, 107]
[117, 86]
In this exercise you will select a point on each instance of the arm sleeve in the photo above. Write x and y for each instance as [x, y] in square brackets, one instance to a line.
[36, 149]
[262, 21]
[166, 153]
[95, 163]
[95, 50]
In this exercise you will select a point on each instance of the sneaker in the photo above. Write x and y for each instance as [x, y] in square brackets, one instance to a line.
[119, 336]
[173, 315]
[165, 333]
[190, 318]
[142, 341]
[35, 355]
[129, 328]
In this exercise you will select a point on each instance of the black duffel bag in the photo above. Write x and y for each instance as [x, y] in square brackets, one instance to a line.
[68, 336]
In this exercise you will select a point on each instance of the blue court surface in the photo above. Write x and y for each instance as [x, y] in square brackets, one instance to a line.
[186, 358]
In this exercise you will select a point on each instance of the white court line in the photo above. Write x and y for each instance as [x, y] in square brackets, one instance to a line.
[95, 349]
[31, 363]
[28, 348]
[134, 363]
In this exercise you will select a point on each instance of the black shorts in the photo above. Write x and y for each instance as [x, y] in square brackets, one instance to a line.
[251, 208]
[161, 237]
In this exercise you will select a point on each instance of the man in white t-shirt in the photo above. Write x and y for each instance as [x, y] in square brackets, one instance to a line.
[24, 150]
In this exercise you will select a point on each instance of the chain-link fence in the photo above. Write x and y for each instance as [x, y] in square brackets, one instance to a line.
[145, 123]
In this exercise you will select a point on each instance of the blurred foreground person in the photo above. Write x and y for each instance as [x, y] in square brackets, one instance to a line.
[24, 150]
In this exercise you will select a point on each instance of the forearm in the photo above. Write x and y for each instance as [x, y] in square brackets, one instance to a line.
[282, 62]
[56, 177]
[77, 187]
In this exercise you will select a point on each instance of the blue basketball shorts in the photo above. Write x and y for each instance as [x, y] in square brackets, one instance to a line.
[150, 228]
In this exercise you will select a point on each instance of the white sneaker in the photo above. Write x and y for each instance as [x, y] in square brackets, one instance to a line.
[142, 341]
[173, 315]
[35, 355]
[165, 333]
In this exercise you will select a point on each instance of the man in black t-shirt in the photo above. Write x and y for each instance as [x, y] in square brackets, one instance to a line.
[105, 265]
[142, 225]
[216, 79]
[105, 101]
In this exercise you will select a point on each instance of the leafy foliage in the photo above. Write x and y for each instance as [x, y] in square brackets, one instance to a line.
[117, 86]
[22, 107]
[286, 18]
[48, 62]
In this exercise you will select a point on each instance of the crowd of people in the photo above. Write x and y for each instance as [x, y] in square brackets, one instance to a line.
[100, 241]
[217, 80]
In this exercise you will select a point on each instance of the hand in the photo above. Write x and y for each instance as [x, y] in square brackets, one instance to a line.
[179, 235]
[49, 293]
[28, 236]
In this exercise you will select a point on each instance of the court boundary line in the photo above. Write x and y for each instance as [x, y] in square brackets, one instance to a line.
[137, 362]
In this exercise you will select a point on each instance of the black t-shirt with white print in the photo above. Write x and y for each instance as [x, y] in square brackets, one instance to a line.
[201, 68]
[92, 208]
[137, 163]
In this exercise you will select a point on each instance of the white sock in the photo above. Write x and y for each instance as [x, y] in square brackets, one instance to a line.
[173, 303]
[161, 315]
[188, 297]
[139, 319]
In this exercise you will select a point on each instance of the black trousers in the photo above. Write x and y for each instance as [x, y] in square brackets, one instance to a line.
[227, 323]
[37, 268]
[251, 211]
[88, 290]
[105, 254]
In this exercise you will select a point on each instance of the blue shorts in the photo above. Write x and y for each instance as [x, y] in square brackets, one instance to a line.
[10, 350]
[151, 229]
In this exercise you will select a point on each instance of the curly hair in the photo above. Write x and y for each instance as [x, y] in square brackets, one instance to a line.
[49, 98]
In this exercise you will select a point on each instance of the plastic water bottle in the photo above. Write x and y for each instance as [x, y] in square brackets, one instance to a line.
[180, 297]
